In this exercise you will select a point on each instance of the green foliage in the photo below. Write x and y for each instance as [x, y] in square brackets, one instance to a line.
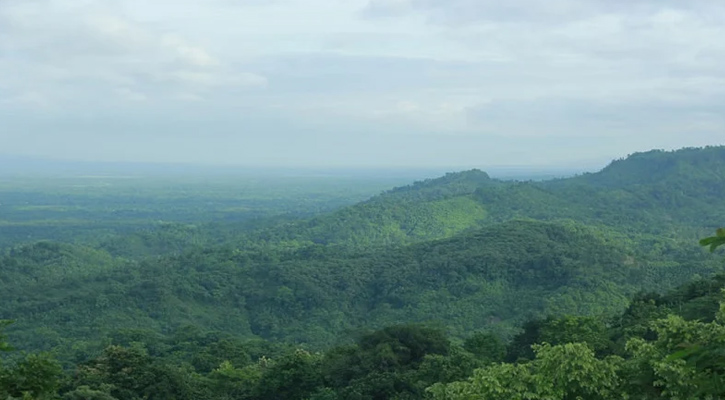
[577, 329]
[4, 345]
[233, 292]
[130, 373]
[383, 363]
[592, 331]
[86, 393]
[120, 212]
[293, 377]
[681, 359]
[491, 278]
[716, 241]
[35, 376]
[486, 346]
[568, 371]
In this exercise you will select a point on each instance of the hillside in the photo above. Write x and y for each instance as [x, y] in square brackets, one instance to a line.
[695, 165]
[464, 251]
[661, 346]
[494, 278]
[655, 192]
[430, 209]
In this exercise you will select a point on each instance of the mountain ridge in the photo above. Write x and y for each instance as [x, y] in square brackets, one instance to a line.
[684, 192]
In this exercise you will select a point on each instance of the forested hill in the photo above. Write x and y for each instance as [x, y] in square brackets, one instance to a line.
[698, 166]
[651, 192]
[464, 251]
[494, 278]
[660, 347]
[452, 184]
[431, 209]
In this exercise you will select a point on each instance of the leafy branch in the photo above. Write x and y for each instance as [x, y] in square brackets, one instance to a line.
[715, 241]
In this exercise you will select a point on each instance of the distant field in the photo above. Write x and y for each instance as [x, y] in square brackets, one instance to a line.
[86, 206]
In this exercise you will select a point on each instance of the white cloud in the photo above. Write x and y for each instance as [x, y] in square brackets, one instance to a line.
[131, 95]
[187, 97]
[194, 56]
[550, 71]
[86, 53]
[387, 8]
[29, 98]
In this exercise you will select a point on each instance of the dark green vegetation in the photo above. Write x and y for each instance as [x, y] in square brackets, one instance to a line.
[274, 303]
[716, 241]
[92, 208]
[666, 194]
[660, 347]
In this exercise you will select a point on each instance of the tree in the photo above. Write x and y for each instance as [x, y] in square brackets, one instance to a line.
[86, 393]
[569, 371]
[292, 377]
[486, 346]
[130, 373]
[685, 361]
[36, 376]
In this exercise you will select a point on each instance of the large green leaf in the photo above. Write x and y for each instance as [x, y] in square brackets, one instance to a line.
[714, 241]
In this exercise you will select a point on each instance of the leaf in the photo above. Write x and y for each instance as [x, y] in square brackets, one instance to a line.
[714, 241]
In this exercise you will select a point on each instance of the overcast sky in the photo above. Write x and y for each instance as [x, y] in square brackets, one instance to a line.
[360, 82]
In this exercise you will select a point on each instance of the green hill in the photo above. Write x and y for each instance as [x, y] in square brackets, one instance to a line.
[694, 165]
[217, 312]
[655, 192]
[431, 209]
[464, 250]
[493, 278]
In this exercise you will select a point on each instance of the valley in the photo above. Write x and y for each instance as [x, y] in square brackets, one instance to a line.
[223, 293]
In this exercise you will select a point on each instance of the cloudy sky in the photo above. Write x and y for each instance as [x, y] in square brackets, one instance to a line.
[360, 82]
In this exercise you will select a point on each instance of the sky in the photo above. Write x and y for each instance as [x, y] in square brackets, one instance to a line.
[360, 83]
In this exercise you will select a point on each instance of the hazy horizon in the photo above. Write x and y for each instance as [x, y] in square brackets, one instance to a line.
[43, 167]
[359, 83]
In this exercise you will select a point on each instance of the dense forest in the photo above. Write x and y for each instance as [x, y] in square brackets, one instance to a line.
[459, 287]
